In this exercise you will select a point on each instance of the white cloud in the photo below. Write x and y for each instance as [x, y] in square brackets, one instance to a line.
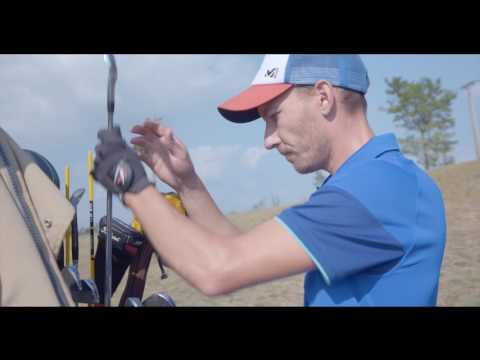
[252, 156]
[47, 97]
[211, 161]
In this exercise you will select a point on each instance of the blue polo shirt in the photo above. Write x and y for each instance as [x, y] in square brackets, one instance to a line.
[375, 230]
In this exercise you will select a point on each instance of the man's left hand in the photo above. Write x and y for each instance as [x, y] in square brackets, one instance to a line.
[117, 167]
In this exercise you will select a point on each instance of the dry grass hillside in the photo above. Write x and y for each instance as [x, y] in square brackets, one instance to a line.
[460, 277]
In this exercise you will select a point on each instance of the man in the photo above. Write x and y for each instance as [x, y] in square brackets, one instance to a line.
[372, 234]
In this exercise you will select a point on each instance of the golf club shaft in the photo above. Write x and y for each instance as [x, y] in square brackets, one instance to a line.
[112, 78]
[68, 234]
[92, 229]
[108, 245]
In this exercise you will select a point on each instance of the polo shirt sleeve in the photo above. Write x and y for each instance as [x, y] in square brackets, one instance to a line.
[340, 235]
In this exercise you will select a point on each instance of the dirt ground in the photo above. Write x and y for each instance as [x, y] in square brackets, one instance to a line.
[460, 275]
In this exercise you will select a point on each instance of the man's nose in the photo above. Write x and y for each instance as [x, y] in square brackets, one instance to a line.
[271, 139]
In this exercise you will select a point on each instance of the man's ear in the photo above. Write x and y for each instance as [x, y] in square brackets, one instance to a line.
[325, 96]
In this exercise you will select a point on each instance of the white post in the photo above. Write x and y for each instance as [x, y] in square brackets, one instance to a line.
[473, 117]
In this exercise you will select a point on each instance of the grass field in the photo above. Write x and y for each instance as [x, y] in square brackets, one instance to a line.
[460, 276]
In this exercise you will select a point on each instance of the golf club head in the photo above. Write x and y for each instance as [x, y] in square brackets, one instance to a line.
[133, 302]
[159, 300]
[72, 278]
[112, 64]
[88, 293]
[112, 79]
[76, 196]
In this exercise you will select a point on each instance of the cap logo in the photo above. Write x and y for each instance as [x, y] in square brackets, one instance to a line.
[272, 73]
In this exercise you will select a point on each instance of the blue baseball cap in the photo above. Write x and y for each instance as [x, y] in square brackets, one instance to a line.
[279, 73]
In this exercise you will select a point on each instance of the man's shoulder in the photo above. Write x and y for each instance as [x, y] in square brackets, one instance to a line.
[376, 175]
[382, 187]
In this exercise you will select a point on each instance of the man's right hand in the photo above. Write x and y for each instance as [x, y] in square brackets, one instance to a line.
[165, 154]
[168, 157]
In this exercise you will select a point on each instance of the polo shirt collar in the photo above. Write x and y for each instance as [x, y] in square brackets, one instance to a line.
[374, 148]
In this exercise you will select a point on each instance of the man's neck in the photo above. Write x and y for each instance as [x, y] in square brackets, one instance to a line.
[350, 138]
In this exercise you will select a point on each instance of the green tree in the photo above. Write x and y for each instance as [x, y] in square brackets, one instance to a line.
[423, 108]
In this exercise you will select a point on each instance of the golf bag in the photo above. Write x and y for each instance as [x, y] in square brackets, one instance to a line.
[125, 244]
[46, 166]
[49, 170]
[130, 248]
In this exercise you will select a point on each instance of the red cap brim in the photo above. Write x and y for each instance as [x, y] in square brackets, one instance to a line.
[243, 107]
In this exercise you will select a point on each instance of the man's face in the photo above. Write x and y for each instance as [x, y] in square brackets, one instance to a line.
[294, 127]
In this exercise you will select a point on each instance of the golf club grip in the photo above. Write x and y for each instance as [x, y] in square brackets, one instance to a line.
[92, 242]
[92, 267]
[75, 240]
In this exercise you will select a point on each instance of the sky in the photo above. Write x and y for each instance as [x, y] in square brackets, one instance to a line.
[55, 105]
